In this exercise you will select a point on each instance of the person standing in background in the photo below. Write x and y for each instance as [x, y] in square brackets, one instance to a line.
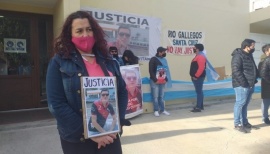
[129, 58]
[264, 67]
[114, 52]
[197, 74]
[156, 64]
[244, 78]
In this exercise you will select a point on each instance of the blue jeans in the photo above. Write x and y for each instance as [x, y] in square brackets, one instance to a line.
[265, 107]
[198, 84]
[242, 99]
[157, 91]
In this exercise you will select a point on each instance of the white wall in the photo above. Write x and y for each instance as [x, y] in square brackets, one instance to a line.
[261, 40]
[226, 24]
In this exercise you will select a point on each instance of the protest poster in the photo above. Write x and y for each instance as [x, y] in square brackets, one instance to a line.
[100, 106]
[181, 42]
[140, 34]
[132, 77]
[161, 74]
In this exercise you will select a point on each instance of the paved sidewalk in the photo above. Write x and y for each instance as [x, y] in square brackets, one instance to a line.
[208, 132]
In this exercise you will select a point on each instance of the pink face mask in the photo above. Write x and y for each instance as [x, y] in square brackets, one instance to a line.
[85, 44]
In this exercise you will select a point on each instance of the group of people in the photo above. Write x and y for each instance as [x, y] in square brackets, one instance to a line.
[130, 77]
[81, 50]
[128, 57]
[244, 78]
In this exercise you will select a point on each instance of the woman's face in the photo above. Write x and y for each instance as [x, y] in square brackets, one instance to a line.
[126, 58]
[81, 28]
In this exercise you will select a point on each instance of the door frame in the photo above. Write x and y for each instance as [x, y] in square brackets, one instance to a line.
[37, 99]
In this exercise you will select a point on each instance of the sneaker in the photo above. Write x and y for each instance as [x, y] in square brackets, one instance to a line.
[196, 110]
[166, 113]
[240, 129]
[156, 113]
[266, 121]
[249, 126]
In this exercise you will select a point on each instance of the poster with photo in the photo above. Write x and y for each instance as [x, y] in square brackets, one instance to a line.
[161, 74]
[132, 77]
[129, 31]
[99, 103]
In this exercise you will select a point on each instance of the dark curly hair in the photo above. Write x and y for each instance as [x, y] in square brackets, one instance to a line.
[132, 59]
[63, 44]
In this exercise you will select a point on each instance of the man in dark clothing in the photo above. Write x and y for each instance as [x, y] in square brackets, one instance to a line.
[114, 52]
[157, 64]
[197, 74]
[244, 78]
[264, 67]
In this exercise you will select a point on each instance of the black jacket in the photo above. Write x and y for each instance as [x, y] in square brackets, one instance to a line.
[265, 75]
[244, 69]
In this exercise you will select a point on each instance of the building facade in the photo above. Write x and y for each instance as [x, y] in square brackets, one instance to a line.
[28, 27]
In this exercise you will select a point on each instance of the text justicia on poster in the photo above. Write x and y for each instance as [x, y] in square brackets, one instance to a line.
[119, 18]
[98, 82]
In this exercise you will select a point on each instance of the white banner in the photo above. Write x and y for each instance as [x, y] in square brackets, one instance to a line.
[12, 45]
[181, 42]
[140, 34]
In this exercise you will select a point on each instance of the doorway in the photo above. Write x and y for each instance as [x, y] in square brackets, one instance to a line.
[25, 46]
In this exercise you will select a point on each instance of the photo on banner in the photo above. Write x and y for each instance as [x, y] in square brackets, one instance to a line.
[129, 31]
[181, 42]
[132, 77]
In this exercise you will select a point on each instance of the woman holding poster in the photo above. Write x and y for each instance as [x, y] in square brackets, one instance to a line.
[81, 50]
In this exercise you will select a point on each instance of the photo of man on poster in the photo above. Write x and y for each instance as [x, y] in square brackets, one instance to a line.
[122, 39]
[103, 118]
[129, 31]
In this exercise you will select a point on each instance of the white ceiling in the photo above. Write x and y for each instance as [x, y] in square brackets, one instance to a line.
[41, 3]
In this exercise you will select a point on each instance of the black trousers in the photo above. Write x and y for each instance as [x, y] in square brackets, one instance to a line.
[91, 147]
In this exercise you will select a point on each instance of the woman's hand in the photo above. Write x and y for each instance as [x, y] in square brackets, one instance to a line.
[102, 141]
[194, 78]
